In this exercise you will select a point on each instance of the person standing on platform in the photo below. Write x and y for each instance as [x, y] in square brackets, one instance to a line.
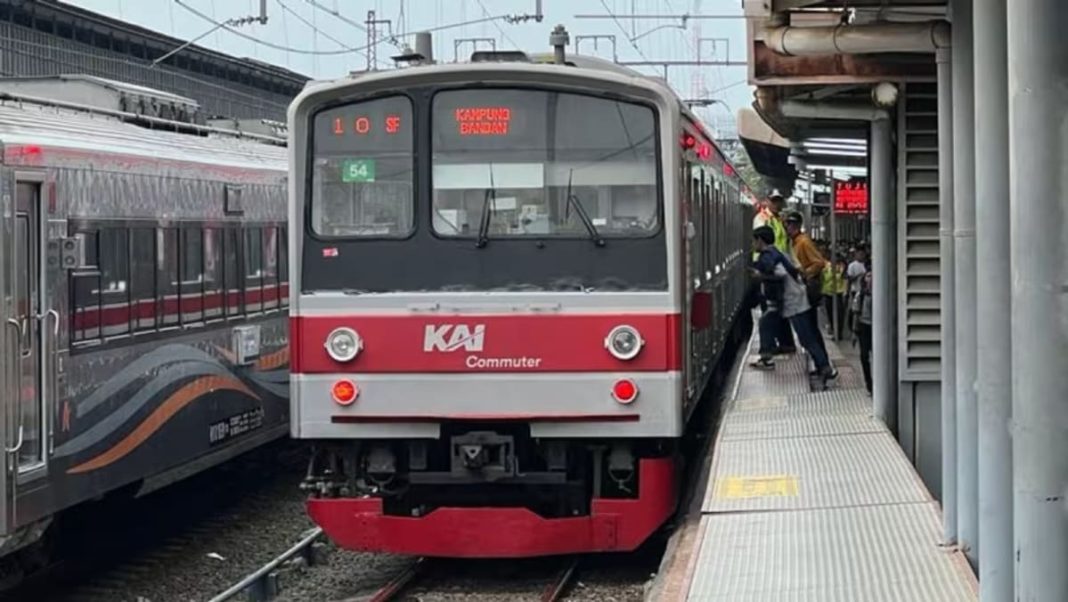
[781, 281]
[854, 276]
[770, 215]
[862, 327]
[812, 264]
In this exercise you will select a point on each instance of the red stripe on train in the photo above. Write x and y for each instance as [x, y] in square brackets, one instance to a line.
[498, 343]
[120, 313]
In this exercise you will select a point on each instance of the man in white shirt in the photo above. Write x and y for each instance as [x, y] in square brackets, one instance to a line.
[855, 275]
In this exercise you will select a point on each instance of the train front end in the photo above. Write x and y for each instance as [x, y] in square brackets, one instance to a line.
[485, 320]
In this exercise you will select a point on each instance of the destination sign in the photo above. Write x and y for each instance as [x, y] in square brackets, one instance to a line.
[851, 197]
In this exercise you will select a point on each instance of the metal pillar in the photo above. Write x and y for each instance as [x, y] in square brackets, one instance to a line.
[1038, 143]
[834, 247]
[947, 297]
[964, 278]
[993, 300]
[884, 274]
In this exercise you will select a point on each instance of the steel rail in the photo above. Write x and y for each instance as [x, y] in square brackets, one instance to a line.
[259, 577]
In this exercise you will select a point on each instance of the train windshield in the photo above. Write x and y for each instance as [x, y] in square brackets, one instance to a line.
[518, 163]
[362, 175]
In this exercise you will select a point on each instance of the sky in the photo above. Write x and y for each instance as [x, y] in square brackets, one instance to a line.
[324, 38]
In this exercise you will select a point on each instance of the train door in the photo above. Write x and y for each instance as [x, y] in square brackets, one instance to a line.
[35, 328]
[9, 335]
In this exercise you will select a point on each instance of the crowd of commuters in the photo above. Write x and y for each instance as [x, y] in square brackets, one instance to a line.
[797, 277]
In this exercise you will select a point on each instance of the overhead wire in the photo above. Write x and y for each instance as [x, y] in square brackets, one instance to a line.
[314, 27]
[246, 36]
[624, 30]
[504, 34]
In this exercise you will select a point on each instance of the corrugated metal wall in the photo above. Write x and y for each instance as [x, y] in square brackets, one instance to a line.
[29, 52]
[919, 283]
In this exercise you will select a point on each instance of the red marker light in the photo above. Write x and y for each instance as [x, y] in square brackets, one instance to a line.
[625, 391]
[344, 392]
[688, 141]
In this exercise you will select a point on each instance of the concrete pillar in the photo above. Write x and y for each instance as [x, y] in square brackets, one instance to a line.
[884, 274]
[993, 300]
[964, 278]
[946, 296]
[1038, 144]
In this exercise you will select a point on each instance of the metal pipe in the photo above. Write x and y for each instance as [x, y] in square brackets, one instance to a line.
[926, 36]
[993, 300]
[797, 109]
[1038, 222]
[946, 302]
[884, 272]
[964, 278]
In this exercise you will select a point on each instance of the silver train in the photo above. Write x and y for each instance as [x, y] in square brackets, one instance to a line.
[143, 291]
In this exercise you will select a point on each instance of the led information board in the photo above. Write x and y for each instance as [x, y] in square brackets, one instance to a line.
[851, 197]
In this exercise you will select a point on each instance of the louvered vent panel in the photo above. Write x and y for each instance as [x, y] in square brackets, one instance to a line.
[919, 319]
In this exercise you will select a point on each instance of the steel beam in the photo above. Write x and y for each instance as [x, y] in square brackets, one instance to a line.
[964, 278]
[1038, 212]
[993, 300]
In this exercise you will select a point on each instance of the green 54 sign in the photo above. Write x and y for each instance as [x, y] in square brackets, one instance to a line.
[358, 170]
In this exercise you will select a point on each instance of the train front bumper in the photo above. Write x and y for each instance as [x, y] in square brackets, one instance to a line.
[613, 525]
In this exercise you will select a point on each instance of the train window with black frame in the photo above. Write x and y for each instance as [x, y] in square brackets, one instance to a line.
[114, 262]
[85, 292]
[270, 268]
[524, 162]
[233, 276]
[143, 278]
[192, 275]
[253, 271]
[283, 266]
[168, 278]
[362, 170]
[213, 270]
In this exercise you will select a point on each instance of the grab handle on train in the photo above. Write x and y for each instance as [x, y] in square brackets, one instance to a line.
[16, 399]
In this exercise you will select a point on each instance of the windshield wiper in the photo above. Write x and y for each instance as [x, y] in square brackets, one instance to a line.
[484, 219]
[595, 236]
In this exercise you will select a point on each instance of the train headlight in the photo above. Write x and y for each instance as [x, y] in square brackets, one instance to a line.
[624, 342]
[343, 344]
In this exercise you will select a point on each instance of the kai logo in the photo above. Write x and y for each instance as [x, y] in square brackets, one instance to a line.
[450, 337]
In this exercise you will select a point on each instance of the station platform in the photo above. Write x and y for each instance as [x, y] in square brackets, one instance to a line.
[808, 498]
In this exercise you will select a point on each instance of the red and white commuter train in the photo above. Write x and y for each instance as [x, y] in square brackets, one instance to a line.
[511, 282]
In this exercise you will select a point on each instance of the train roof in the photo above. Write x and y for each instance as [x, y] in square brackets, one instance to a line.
[57, 122]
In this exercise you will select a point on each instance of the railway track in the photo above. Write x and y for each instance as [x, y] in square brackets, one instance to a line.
[420, 568]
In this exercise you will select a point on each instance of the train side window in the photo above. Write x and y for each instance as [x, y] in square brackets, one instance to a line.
[192, 272]
[270, 268]
[283, 266]
[113, 260]
[167, 262]
[232, 274]
[143, 278]
[85, 293]
[213, 281]
[253, 271]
